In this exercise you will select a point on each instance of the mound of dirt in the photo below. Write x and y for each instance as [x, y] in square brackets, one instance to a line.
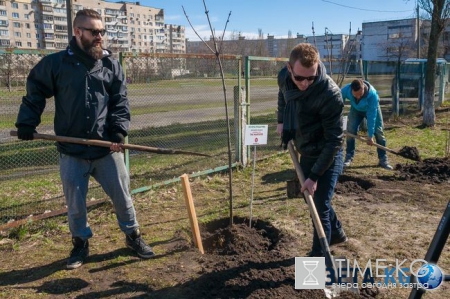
[246, 262]
[432, 170]
[410, 153]
[349, 184]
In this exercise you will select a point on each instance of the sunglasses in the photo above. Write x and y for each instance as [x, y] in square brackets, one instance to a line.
[301, 78]
[94, 32]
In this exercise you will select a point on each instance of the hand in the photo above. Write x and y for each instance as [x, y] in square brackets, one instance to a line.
[117, 137]
[26, 132]
[280, 129]
[309, 185]
[370, 141]
[116, 147]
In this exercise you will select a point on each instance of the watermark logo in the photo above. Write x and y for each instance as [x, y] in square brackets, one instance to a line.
[309, 273]
[430, 276]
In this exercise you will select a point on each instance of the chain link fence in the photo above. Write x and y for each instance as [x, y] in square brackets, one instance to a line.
[178, 102]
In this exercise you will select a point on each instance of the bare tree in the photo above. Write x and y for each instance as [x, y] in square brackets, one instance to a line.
[439, 10]
[216, 49]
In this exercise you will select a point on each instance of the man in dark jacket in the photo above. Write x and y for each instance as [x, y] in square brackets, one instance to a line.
[90, 102]
[313, 107]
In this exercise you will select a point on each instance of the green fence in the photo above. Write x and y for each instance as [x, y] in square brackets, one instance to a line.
[177, 101]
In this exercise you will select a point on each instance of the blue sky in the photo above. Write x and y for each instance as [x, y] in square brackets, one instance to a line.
[280, 16]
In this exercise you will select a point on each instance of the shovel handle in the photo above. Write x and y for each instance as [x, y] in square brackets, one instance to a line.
[375, 144]
[312, 209]
[103, 143]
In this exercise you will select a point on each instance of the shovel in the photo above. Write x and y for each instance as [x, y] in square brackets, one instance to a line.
[329, 261]
[103, 143]
[406, 152]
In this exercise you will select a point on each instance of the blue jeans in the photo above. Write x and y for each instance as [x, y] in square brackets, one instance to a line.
[355, 118]
[112, 175]
[322, 197]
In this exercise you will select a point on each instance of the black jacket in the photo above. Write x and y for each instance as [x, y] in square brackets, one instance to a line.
[90, 99]
[318, 112]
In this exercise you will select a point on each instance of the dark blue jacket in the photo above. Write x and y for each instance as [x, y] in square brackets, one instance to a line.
[90, 100]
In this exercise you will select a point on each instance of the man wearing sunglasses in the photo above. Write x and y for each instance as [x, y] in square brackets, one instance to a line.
[311, 102]
[91, 102]
[364, 103]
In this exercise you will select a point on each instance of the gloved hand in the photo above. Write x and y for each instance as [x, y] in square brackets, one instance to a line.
[117, 137]
[25, 132]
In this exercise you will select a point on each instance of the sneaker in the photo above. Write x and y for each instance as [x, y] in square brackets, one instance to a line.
[347, 162]
[385, 164]
[338, 237]
[135, 243]
[78, 254]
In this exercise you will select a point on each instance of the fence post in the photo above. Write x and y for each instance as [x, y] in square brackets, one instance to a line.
[243, 148]
[237, 122]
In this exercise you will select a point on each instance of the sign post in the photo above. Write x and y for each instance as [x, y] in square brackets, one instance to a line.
[254, 135]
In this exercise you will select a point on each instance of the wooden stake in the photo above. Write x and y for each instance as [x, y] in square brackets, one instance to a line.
[191, 212]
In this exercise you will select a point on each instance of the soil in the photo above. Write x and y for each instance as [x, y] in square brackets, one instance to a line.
[410, 152]
[432, 170]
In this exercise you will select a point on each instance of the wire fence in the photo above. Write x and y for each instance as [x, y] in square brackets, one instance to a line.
[177, 101]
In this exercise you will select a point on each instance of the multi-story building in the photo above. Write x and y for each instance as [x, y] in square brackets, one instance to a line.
[131, 27]
[18, 24]
[391, 40]
[175, 37]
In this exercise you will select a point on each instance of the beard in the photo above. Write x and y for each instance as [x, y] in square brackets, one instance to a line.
[92, 50]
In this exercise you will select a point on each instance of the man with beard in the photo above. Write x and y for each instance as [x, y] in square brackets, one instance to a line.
[312, 103]
[91, 103]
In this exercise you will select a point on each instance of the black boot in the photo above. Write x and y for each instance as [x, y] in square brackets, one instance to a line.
[78, 254]
[135, 243]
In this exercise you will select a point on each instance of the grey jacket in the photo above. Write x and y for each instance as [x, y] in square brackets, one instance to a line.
[90, 100]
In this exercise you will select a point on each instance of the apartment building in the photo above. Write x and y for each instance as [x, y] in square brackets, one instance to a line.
[131, 27]
[18, 27]
[175, 38]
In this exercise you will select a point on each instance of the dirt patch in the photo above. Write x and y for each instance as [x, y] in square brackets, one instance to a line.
[247, 262]
[432, 170]
[410, 153]
[352, 185]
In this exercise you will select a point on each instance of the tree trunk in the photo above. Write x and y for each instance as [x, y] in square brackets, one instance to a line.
[429, 116]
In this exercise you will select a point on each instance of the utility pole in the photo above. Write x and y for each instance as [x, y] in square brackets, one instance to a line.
[330, 49]
[418, 32]
[69, 19]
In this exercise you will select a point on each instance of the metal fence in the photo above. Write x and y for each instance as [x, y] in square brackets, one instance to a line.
[177, 101]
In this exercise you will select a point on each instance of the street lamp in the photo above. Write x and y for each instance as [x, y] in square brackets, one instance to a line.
[330, 49]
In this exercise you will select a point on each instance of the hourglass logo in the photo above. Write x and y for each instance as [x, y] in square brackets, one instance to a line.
[310, 273]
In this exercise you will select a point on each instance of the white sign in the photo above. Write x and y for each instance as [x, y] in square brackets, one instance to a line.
[256, 134]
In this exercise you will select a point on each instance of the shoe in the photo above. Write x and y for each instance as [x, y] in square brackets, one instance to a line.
[78, 254]
[385, 164]
[135, 243]
[338, 237]
[347, 162]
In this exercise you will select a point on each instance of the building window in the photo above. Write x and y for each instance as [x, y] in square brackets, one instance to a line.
[15, 15]
[18, 44]
[25, 6]
[27, 17]
[16, 24]
[15, 5]
[28, 35]
[27, 25]
[29, 44]
[17, 34]
[3, 12]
